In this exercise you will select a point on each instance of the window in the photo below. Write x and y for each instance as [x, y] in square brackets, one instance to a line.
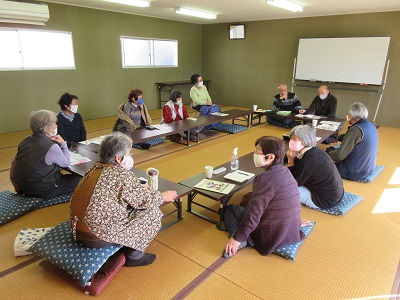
[35, 50]
[138, 52]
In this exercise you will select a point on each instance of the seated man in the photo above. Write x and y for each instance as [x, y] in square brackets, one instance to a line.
[324, 105]
[284, 101]
[356, 156]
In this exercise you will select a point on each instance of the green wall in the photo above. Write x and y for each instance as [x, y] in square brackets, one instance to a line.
[246, 72]
[243, 72]
[98, 80]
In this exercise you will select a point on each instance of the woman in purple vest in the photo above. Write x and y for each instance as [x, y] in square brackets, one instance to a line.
[35, 170]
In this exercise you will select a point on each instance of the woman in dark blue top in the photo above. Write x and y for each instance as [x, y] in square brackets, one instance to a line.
[70, 122]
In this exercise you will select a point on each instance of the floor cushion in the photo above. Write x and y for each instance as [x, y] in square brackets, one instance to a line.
[372, 176]
[59, 248]
[348, 201]
[290, 251]
[152, 142]
[54, 200]
[99, 280]
[230, 128]
[13, 205]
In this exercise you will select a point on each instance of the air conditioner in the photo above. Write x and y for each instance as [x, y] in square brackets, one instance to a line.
[23, 13]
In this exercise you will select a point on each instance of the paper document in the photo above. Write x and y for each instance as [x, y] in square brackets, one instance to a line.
[215, 186]
[219, 114]
[283, 112]
[26, 238]
[330, 123]
[192, 119]
[239, 176]
[327, 127]
[77, 159]
[260, 110]
[97, 140]
[314, 117]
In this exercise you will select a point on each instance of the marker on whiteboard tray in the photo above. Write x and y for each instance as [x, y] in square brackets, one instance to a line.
[313, 79]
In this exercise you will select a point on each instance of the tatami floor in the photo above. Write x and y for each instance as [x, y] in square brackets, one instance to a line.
[355, 256]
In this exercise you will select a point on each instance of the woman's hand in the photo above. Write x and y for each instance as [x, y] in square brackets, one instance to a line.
[58, 139]
[291, 155]
[169, 196]
[232, 247]
[208, 103]
[305, 222]
[302, 111]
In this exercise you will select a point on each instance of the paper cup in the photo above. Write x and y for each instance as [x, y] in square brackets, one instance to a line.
[314, 123]
[208, 170]
[254, 107]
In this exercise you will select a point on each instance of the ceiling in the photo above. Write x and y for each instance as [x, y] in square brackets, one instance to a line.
[230, 11]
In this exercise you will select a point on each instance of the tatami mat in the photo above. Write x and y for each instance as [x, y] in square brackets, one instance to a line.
[345, 257]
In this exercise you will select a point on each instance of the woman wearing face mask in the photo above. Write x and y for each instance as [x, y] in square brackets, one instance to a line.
[270, 217]
[110, 205]
[174, 110]
[70, 122]
[35, 170]
[318, 179]
[133, 114]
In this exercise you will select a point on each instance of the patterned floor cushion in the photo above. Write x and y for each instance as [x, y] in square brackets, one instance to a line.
[348, 202]
[99, 281]
[81, 262]
[290, 251]
[55, 200]
[13, 205]
[230, 128]
[149, 143]
[372, 176]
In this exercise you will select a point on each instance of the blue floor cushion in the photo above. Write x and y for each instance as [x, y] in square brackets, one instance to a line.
[59, 248]
[230, 128]
[13, 205]
[55, 200]
[348, 201]
[149, 143]
[372, 176]
[290, 251]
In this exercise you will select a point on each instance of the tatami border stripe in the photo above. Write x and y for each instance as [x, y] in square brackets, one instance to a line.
[199, 279]
[19, 266]
[395, 294]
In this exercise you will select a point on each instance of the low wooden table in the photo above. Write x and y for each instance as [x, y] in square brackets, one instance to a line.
[163, 184]
[246, 164]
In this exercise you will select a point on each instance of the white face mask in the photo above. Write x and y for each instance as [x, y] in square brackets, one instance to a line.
[348, 117]
[323, 96]
[200, 83]
[53, 134]
[179, 102]
[259, 160]
[296, 146]
[127, 162]
[74, 108]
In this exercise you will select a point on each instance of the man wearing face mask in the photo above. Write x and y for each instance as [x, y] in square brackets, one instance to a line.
[319, 181]
[324, 104]
[35, 170]
[269, 216]
[133, 114]
[110, 206]
[356, 156]
[70, 122]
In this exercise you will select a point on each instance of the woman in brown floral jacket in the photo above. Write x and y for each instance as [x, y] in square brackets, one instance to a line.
[110, 205]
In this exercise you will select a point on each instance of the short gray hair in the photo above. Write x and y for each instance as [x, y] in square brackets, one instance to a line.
[40, 119]
[115, 144]
[358, 110]
[306, 134]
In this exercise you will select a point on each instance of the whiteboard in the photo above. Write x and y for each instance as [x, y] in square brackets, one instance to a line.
[351, 60]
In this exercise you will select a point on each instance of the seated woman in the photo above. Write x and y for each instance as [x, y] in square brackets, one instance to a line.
[318, 179]
[355, 158]
[110, 205]
[70, 122]
[35, 170]
[201, 100]
[133, 114]
[174, 110]
[271, 218]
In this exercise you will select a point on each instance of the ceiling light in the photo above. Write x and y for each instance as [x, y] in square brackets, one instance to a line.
[294, 7]
[195, 13]
[140, 3]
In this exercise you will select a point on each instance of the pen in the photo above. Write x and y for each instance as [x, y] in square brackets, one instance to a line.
[243, 173]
